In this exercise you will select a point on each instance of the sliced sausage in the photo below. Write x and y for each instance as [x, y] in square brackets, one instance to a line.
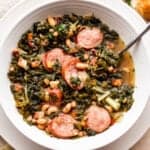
[69, 71]
[62, 126]
[98, 119]
[70, 61]
[51, 57]
[56, 96]
[67, 59]
[89, 38]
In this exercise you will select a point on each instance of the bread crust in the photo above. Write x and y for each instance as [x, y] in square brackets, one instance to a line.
[143, 7]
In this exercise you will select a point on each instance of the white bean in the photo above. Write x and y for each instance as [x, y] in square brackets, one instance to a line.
[54, 84]
[35, 64]
[34, 121]
[67, 108]
[82, 66]
[51, 109]
[68, 42]
[45, 107]
[46, 96]
[38, 115]
[11, 68]
[55, 34]
[22, 63]
[41, 121]
[75, 132]
[51, 21]
[41, 127]
[46, 81]
[108, 108]
[73, 104]
[73, 47]
[29, 118]
[81, 133]
[83, 123]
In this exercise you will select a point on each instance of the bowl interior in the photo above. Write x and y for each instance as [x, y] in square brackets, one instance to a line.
[127, 33]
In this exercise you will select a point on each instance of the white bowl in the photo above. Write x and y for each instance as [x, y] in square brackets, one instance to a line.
[119, 17]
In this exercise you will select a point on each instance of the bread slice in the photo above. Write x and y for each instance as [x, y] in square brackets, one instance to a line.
[143, 7]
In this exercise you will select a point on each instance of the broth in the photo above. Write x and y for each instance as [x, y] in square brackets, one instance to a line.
[126, 64]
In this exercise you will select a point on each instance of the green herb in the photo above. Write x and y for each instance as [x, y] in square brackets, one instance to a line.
[75, 81]
[128, 2]
[90, 132]
[62, 27]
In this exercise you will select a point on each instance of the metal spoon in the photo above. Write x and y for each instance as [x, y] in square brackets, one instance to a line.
[135, 40]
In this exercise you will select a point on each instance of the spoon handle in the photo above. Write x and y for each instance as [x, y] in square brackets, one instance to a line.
[135, 40]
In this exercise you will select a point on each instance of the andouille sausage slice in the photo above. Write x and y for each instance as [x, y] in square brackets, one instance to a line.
[69, 72]
[98, 118]
[62, 126]
[66, 60]
[89, 38]
[52, 56]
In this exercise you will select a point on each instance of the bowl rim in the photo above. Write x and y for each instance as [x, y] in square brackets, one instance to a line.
[13, 11]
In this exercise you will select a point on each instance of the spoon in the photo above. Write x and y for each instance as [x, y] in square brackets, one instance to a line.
[135, 40]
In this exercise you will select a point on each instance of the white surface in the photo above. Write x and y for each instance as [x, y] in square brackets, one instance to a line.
[129, 119]
[5, 5]
[20, 142]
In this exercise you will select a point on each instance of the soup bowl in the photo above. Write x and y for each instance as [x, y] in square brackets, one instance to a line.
[119, 17]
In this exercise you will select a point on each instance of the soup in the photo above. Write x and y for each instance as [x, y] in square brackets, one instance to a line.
[67, 77]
